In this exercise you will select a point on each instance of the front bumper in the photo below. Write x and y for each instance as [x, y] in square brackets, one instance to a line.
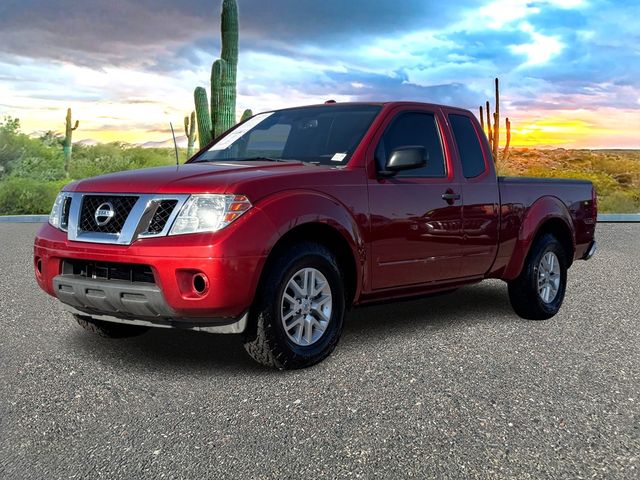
[231, 261]
[113, 297]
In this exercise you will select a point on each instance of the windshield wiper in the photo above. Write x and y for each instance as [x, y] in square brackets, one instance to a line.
[266, 159]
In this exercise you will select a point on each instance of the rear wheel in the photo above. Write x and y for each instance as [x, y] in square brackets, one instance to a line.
[538, 292]
[298, 314]
[109, 329]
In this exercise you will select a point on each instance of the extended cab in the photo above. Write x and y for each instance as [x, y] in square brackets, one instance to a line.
[280, 225]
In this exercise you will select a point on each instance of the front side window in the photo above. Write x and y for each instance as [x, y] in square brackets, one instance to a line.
[414, 129]
[323, 134]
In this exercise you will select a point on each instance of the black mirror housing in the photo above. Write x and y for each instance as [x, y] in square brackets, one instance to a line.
[405, 158]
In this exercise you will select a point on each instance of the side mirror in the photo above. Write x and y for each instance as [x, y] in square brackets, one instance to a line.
[404, 158]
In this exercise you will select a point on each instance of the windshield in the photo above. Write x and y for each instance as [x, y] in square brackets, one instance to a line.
[326, 134]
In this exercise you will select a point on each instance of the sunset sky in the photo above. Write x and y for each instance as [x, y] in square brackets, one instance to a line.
[569, 69]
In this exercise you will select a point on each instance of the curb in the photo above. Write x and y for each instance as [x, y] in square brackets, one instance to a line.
[619, 218]
[23, 218]
[604, 218]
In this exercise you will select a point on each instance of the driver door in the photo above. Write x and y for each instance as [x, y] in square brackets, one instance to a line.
[416, 215]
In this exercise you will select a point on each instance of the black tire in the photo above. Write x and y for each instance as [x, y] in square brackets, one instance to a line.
[109, 329]
[523, 291]
[265, 339]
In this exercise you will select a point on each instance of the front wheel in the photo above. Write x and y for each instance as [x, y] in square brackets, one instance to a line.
[298, 314]
[538, 292]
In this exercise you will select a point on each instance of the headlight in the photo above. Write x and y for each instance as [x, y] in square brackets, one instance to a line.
[209, 213]
[59, 216]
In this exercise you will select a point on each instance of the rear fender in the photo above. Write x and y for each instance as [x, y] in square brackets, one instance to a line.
[540, 212]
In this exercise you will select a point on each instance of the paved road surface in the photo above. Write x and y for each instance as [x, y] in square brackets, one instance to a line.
[455, 386]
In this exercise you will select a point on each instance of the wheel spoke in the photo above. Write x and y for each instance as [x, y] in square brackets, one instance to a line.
[298, 290]
[544, 264]
[292, 301]
[299, 332]
[311, 279]
[320, 302]
[318, 287]
[320, 326]
[297, 321]
[288, 315]
[308, 329]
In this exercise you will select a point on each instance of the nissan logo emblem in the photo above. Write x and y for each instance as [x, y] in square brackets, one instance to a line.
[104, 214]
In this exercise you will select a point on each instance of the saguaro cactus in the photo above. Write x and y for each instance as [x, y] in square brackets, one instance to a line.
[248, 113]
[222, 112]
[190, 132]
[505, 153]
[489, 130]
[496, 124]
[493, 131]
[205, 131]
[67, 146]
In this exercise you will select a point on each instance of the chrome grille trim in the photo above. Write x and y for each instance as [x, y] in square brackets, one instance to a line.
[136, 224]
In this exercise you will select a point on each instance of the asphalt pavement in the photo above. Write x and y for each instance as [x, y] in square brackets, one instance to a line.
[455, 386]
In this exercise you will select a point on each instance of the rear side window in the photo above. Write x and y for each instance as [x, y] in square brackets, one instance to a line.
[468, 146]
[414, 129]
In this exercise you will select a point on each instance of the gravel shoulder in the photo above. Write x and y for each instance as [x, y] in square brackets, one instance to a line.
[454, 386]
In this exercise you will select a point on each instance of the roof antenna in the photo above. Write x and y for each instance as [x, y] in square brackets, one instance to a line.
[175, 144]
[329, 102]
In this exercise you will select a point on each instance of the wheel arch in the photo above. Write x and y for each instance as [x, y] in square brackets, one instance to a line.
[547, 215]
[315, 217]
[327, 236]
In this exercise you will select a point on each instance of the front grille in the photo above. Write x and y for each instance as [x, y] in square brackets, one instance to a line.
[121, 204]
[159, 220]
[131, 272]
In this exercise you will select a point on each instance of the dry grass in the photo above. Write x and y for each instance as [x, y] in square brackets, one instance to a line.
[615, 173]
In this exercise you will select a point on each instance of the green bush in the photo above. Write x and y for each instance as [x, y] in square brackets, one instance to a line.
[32, 169]
[23, 156]
[49, 167]
[619, 202]
[20, 196]
[90, 161]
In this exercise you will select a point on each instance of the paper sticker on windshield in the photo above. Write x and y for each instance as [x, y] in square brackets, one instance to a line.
[338, 157]
[240, 131]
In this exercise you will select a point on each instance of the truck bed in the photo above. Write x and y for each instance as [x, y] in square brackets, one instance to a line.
[537, 198]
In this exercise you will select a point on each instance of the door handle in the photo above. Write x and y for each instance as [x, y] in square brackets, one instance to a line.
[450, 196]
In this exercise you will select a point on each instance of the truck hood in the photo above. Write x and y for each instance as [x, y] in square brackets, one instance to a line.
[206, 177]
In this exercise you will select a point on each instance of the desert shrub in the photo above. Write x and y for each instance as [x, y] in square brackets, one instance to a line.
[28, 157]
[603, 182]
[90, 161]
[619, 202]
[47, 165]
[152, 157]
[27, 195]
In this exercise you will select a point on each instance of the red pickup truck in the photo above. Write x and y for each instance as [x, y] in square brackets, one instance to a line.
[280, 225]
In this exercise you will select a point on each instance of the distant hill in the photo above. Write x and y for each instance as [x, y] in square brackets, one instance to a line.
[181, 141]
[87, 142]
